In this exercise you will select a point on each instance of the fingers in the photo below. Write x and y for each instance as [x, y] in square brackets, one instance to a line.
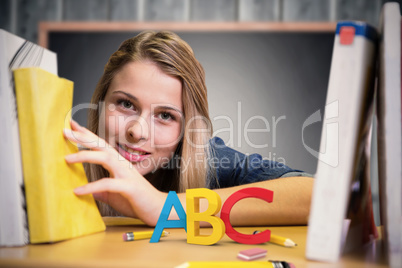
[98, 186]
[100, 158]
[103, 197]
[81, 139]
[101, 152]
[106, 185]
[110, 161]
[110, 191]
[78, 128]
[75, 125]
[84, 137]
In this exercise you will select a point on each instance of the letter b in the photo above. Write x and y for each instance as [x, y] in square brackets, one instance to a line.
[194, 217]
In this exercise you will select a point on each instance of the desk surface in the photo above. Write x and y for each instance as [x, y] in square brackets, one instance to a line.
[107, 249]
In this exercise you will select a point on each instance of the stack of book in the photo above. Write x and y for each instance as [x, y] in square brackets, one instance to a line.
[365, 70]
[37, 203]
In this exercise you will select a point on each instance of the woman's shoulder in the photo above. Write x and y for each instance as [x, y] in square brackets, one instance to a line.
[216, 141]
[235, 168]
[218, 149]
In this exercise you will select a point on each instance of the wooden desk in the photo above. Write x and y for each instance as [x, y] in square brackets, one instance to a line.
[107, 249]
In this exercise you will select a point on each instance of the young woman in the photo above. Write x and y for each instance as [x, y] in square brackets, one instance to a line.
[151, 133]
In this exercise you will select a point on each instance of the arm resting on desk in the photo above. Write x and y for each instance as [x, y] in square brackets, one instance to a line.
[131, 194]
[290, 206]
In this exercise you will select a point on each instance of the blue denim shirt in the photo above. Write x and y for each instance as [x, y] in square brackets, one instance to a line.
[234, 168]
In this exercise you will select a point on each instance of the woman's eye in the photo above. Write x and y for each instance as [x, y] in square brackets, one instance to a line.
[126, 104]
[165, 116]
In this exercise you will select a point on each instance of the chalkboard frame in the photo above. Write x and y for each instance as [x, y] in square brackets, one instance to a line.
[46, 27]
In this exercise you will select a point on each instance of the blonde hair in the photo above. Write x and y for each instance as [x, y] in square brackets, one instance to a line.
[174, 57]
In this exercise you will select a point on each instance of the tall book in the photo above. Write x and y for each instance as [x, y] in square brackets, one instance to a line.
[55, 213]
[342, 164]
[15, 52]
[390, 132]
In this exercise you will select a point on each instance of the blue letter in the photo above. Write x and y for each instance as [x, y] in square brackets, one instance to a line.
[172, 200]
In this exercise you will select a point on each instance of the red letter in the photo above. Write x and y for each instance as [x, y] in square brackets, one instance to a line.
[260, 193]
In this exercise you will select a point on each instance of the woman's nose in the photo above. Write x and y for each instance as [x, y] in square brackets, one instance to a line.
[138, 130]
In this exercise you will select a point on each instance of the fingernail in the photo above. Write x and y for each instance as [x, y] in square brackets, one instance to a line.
[66, 130]
[75, 122]
[79, 190]
[68, 157]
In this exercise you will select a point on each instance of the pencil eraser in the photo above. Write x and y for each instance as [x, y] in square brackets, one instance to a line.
[128, 236]
[252, 254]
[125, 237]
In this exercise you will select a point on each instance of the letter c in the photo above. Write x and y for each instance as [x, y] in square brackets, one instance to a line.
[256, 192]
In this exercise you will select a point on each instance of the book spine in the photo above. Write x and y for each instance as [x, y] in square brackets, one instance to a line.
[390, 133]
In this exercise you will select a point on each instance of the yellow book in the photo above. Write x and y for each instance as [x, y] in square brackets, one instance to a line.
[55, 213]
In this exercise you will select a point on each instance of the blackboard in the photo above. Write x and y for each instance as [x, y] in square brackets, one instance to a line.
[268, 80]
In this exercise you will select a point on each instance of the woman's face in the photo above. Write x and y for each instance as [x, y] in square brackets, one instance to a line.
[143, 115]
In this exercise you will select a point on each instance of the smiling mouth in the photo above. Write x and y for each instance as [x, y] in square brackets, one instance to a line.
[131, 151]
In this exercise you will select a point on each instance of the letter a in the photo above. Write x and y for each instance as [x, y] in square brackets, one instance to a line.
[172, 200]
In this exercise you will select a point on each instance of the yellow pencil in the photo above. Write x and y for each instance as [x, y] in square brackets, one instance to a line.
[283, 241]
[234, 264]
[279, 240]
[130, 236]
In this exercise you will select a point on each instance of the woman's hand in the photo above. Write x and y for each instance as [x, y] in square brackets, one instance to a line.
[126, 190]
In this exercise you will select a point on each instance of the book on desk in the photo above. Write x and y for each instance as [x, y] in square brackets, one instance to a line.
[55, 213]
[346, 126]
[37, 203]
[343, 168]
[15, 52]
[390, 132]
